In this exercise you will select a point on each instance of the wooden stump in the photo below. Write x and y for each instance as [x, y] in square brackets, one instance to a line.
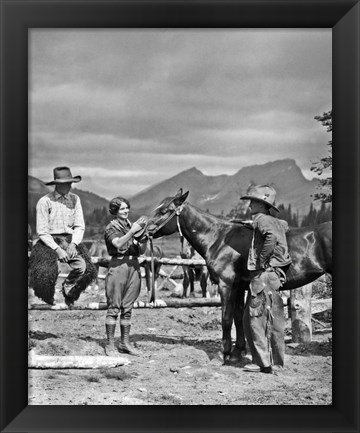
[300, 311]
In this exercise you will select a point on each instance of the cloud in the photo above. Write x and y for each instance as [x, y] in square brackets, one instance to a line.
[154, 102]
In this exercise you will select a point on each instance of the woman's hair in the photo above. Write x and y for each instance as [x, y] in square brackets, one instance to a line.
[115, 204]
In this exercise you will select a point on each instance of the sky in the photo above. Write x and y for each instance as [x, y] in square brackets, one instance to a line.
[128, 108]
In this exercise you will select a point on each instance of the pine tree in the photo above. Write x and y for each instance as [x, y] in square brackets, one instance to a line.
[325, 164]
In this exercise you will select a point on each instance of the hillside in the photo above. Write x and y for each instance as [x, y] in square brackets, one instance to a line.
[219, 194]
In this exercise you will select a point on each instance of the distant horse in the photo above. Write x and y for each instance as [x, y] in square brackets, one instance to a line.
[98, 249]
[225, 246]
[194, 273]
[158, 254]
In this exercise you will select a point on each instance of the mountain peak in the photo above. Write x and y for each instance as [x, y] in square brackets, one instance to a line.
[192, 170]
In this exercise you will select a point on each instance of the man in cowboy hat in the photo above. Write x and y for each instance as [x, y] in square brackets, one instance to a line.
[60, 227]
[268, 262]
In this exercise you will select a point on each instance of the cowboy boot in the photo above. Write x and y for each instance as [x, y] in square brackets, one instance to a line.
[125, 341]
[65, 289]
[110, 347]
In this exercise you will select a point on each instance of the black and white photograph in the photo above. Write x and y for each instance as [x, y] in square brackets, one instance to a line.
[180, 216]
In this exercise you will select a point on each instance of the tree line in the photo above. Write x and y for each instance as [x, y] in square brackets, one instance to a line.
[314, 216]
[96, 221]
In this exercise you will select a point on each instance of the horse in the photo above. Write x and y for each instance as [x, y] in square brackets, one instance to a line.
[98, 249]
[157, 253]
[224, 245]
[194, 273]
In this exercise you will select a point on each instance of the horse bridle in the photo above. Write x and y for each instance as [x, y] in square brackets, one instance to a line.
[176, 211]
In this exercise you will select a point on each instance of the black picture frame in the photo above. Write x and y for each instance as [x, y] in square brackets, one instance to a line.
[16, 18]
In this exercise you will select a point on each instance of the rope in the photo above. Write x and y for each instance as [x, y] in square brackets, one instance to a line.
[180, 234]
[269, 322]
[152, 295]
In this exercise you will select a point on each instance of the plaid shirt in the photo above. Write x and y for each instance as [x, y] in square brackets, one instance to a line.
[57, 214]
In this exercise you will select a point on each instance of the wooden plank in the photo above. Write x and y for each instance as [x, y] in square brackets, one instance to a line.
[104, 262]
[169, 303]
[320, 305]
[36, 361]
[300, 313]
[316, 305]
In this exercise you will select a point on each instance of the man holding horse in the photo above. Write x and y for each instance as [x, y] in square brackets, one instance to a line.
[268, 262]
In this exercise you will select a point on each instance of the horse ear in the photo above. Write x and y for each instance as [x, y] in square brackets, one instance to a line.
[184, 196]
[180, 198]
[179, 193]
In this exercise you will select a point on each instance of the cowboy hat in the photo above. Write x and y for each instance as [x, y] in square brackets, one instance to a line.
[63, 175]
[264, 193]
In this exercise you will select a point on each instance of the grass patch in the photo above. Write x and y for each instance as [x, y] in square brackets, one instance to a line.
[115, 373]
[168, 399]
[322, 287]
[92, 379]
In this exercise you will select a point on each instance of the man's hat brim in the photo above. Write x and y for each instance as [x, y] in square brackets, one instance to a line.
[69, 180]
[250, 197]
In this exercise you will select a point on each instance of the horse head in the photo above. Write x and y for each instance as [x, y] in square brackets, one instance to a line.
[163, 222]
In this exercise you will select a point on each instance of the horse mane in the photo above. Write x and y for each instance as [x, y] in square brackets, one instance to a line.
[228, 222]
[244, 223]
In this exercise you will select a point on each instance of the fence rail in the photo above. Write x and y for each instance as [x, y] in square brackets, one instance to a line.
[317, 305]
[104, 262]
[300, 305]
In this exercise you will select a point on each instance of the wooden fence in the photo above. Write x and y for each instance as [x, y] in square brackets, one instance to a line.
[300, 305]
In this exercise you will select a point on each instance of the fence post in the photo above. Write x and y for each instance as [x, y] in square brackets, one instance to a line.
[300, 311]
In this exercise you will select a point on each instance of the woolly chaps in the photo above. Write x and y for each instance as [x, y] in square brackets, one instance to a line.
[43, 273]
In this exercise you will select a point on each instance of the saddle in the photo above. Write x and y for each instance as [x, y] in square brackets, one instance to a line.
[247, 223]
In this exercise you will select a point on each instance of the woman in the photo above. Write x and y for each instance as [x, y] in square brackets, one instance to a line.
[124, 242]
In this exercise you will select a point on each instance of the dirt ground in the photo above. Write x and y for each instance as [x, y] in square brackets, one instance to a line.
[180, 360]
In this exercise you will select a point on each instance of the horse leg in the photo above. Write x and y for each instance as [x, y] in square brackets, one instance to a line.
[157, 270]
[147, 276]
[192, 279]
[95, 284]
[203, 284]
[227, 316]
[185, 281]
[240, 345]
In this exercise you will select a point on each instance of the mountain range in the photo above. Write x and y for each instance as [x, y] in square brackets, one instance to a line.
[216, 194]
[220, 194]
